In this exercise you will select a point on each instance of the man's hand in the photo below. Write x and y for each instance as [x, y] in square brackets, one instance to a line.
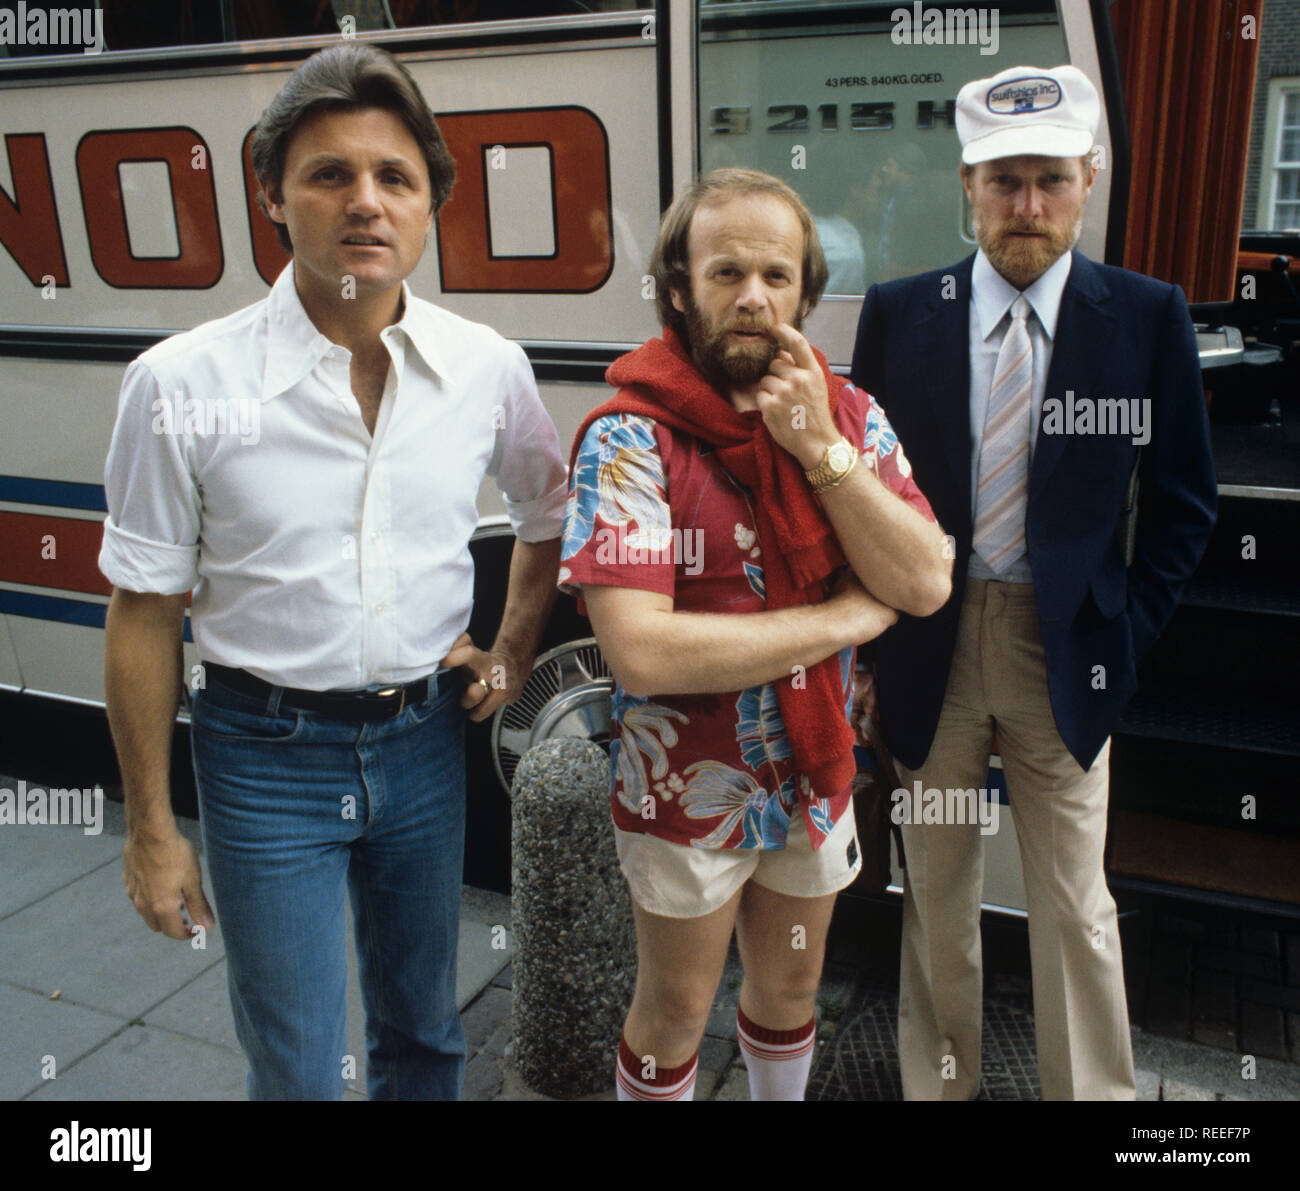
[162, 878]
[869, 616]
[793, 400]
[493, 679]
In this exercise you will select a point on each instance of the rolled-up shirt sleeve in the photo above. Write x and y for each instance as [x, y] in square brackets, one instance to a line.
[151, 534]
[527, 463]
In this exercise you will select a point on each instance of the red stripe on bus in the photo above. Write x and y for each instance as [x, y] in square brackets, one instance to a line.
[59, 552]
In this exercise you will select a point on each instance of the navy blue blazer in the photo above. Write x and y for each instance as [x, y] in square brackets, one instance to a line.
[1119, 335]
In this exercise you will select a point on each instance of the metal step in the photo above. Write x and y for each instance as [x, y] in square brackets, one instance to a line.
[1268, 594]
[1216, 716]
[1258, 459]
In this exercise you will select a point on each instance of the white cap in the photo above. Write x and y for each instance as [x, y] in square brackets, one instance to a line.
[1027, 110]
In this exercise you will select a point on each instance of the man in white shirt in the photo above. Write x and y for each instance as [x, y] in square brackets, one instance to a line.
[309, 467]
[976, 366]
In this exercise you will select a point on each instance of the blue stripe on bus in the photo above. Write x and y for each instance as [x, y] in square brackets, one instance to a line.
[56, 493]
[43, 607]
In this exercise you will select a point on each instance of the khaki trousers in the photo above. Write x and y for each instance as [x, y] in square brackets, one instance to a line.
[999, 682]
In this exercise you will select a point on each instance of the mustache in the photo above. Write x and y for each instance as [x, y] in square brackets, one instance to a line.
[1014, 226]
[750, 325]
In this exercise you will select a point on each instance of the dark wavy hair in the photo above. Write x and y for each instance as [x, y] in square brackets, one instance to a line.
[670, 263]
[347, 77]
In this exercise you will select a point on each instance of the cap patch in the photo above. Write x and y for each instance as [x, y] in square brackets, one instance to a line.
[1024, 96]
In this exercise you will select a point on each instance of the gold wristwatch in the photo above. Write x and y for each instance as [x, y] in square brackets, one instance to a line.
[839, 460]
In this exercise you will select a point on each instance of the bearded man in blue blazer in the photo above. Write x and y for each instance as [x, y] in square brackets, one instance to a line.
[1028, 382]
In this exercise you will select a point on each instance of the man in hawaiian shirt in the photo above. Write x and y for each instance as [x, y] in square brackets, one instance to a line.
[713, 507]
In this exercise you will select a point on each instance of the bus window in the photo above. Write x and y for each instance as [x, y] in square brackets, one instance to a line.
[855, 109]
[66, 26]
[257, 19]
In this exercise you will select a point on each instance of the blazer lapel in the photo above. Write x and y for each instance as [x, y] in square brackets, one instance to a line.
[941, 356]
[1085, 324]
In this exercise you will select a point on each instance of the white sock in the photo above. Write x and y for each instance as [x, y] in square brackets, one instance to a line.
[778, 1061]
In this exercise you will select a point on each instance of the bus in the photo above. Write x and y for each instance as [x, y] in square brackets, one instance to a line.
[128, 212]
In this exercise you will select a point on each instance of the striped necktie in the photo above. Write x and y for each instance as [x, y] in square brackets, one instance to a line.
[1004, 452]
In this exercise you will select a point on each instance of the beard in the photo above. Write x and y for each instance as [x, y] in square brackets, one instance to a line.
[726, 363]
[1022, 262]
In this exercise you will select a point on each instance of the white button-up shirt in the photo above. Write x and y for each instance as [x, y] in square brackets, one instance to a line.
[990, 303]
[321, 557]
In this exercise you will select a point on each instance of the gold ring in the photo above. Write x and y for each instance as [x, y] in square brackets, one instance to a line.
[484, 684]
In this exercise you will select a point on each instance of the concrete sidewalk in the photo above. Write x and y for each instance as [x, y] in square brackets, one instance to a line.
[96, 1007]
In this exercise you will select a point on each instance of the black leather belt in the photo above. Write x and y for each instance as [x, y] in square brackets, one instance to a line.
[359, 706]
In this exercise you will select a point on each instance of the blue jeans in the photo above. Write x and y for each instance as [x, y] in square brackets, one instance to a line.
[292, 804]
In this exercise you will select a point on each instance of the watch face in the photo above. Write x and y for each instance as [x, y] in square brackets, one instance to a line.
[839, 456]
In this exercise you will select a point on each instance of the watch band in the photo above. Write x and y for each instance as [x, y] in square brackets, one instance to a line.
[836, 481]
[825, 476]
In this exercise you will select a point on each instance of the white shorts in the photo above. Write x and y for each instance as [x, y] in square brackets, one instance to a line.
[680, 881]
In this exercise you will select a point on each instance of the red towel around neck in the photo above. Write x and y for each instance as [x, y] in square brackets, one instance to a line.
[800, 550]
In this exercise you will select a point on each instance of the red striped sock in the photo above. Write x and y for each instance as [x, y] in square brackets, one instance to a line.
[778, 1060]
[639, 1079]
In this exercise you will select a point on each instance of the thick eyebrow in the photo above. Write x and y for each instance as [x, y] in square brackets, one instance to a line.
[322, 159]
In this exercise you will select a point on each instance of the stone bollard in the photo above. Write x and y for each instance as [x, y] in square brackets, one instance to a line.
[575, 959]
